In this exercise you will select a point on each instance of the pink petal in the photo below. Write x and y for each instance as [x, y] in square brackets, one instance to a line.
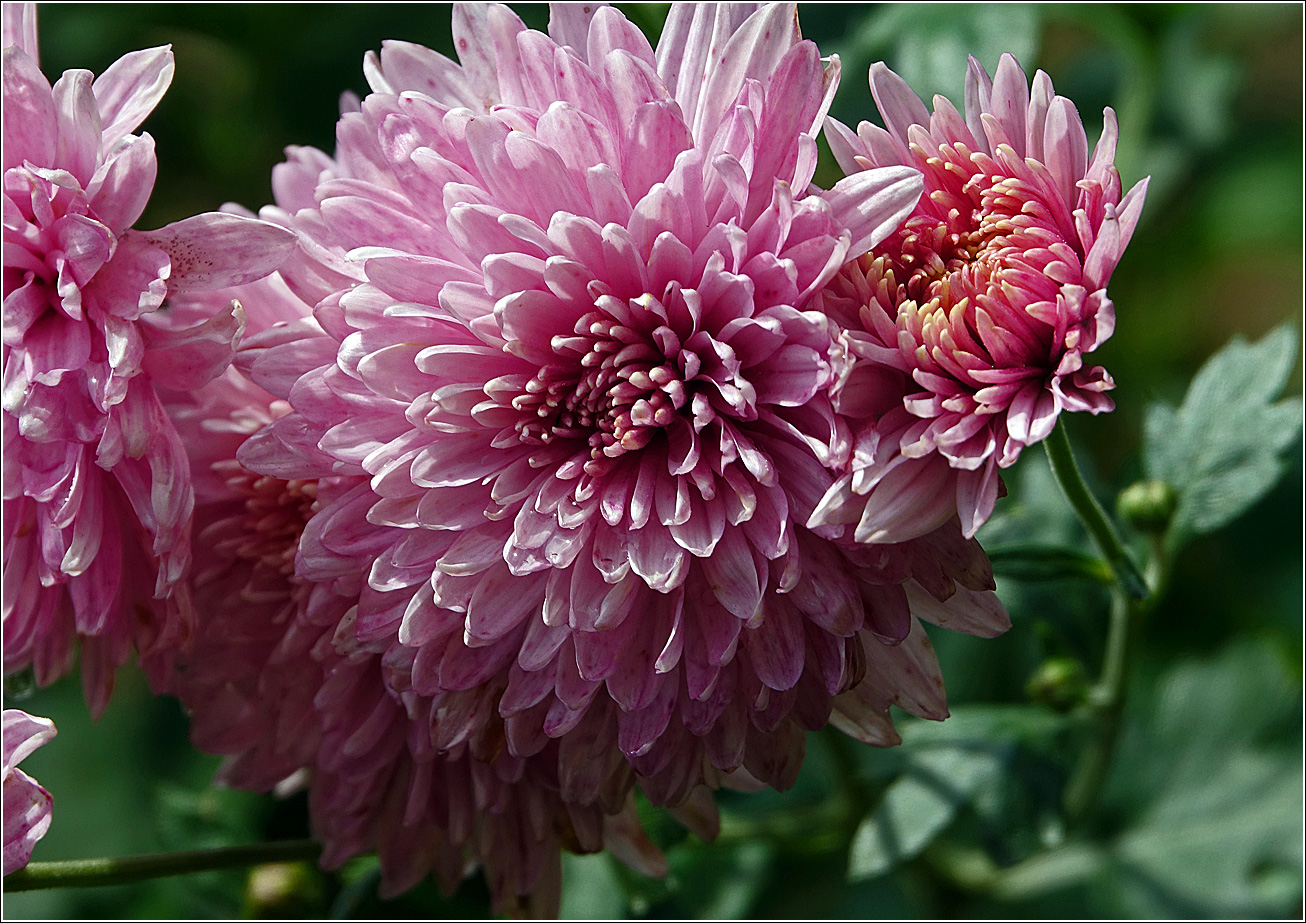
[129, 90]
[124, 183]
[19, 28]
[22, 735]
[609, 31]
[1009, 105]
[215, 250]
[694, 34]
[872, 204]
[78, 146]
[978, 93]
[188, 358]
[900, 107]
[569, 24]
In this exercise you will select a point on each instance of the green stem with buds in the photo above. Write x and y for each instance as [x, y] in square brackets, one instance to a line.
[1131, 599]
[89, 873]
[1092, 515]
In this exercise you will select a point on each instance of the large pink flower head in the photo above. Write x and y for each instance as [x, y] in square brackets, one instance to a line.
[967, 328]
[274, 679]
[27, 805]
[563, 332]
[97, 500]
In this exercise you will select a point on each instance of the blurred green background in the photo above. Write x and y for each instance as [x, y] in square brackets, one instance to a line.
[1201, 813]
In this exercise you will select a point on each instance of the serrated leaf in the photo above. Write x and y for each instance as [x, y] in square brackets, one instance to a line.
[1207, 845]
[1205, 795]
[1221, 449]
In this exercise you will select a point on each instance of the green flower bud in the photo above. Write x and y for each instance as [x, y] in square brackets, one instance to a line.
[1148, 506]
[1059, 683]
[282, 890]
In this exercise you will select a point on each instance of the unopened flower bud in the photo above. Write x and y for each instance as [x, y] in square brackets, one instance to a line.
[1148, 505]
[281, 890]
[1059, 683]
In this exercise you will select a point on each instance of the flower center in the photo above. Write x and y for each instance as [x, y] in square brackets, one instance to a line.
[928, 251]
[979, 251]
[611, 384]
[275, 512]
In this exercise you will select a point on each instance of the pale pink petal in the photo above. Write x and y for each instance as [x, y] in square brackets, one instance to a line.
[190, 357]
[569, 24]
[872, 203]
[122, 186]
[693, 36]
[27, 804]
[78, 146]
[19, 28]
[129, 90]
[100, 492]
[900, 107]
[217, 250]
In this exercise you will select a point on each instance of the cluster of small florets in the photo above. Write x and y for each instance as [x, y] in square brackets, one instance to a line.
[530, 483]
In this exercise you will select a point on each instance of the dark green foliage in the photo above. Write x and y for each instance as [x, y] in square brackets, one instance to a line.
[1222, 449]
[1200, 815]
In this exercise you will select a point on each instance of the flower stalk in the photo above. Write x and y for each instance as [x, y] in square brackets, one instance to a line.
[90, 873]
[1092, 515]
[1107, 700]
[1131, 599]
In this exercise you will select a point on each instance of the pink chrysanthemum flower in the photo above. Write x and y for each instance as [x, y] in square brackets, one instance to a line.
[563, 330]
[967, 328]
[27, 804]
[274, 679]
[97, 500]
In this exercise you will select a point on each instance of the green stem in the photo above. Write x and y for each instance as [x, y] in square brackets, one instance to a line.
[89, 873]
[1091, 514]
[1108, 696]
[1109, 699]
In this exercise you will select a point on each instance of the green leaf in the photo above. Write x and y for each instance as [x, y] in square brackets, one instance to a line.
[963, 761]
[1204, 803]
[918, 807]
[1222, 448]
[591, 889]
[927, 43]
[1207, 845]
[719, 882]
[1044, 562]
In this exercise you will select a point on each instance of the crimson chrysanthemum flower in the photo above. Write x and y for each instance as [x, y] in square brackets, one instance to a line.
[97, 499]
[27, 805]
[562, 335]
[967, 328]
